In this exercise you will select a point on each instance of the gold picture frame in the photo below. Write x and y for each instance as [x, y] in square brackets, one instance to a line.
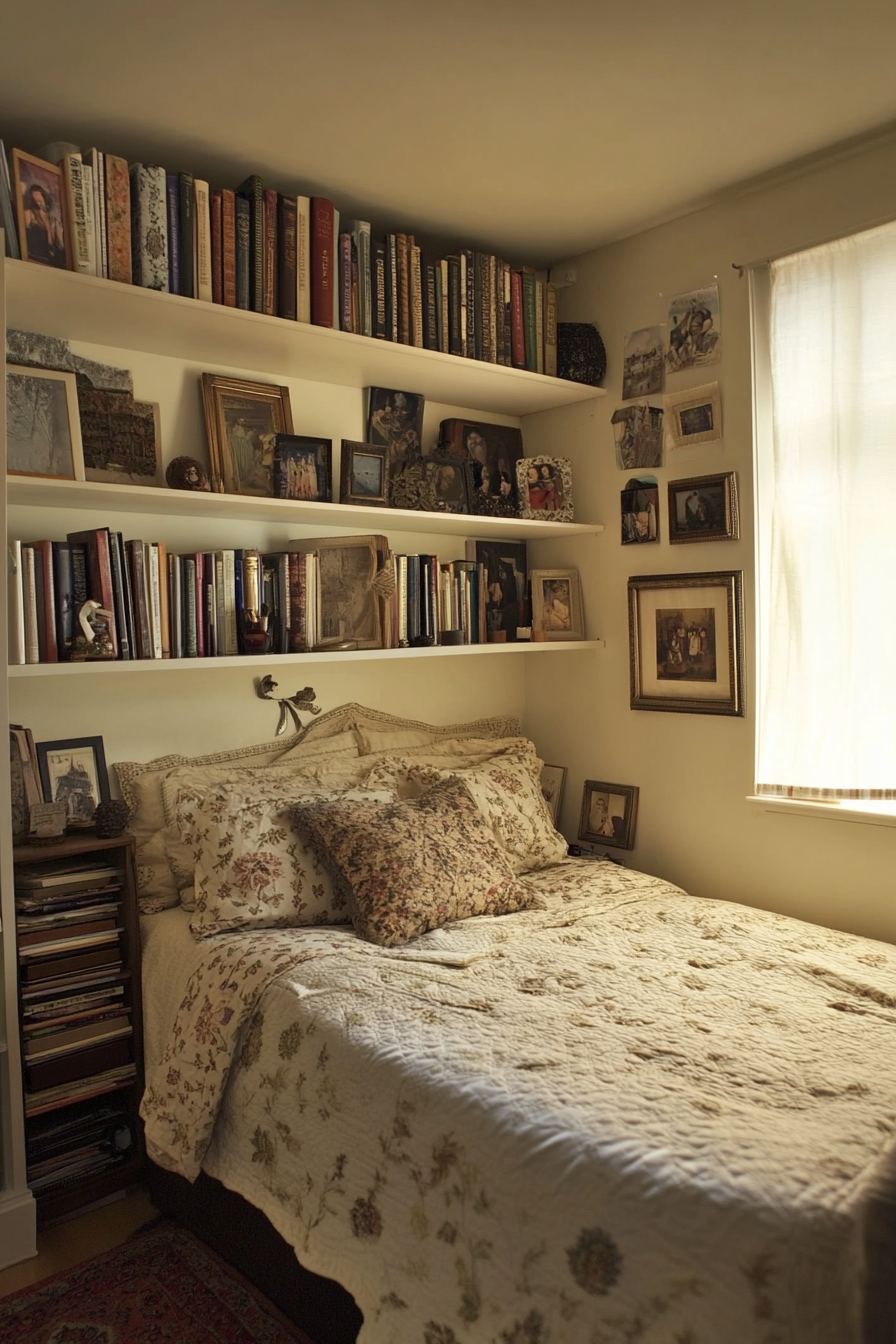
[693, 416]
[557, 604]
[704, 508]
[242, 421]
[40, 211]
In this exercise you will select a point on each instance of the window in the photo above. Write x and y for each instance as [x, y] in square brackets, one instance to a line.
[824, 324]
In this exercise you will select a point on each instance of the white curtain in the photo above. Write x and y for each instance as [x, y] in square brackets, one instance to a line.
[826, 508]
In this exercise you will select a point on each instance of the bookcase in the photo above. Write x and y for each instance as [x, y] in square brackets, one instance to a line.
[145, 708]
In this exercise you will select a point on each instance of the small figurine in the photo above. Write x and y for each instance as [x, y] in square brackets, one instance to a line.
[96, 638]
[185, 473]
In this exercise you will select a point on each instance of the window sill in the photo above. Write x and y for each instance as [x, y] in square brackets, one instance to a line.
[870, 814]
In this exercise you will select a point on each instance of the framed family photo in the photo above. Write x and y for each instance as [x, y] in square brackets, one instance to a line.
[73, 771]
[40, 210]
[693, 416]
[242, 421]
[557, 604]
[302, 468]
[686, 642]
[43, 427]
[364, 472]
[609, 813]
[704, 508]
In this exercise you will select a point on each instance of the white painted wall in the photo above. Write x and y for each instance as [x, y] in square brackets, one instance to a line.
[695, 771]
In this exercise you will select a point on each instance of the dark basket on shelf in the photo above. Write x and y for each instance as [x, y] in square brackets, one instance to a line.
[581, 357]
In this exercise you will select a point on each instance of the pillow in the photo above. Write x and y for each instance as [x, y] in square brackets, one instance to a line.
[252, 869]
[507, 790]
[140, 783]
[364, 720]
[447, 750]
[414, 864]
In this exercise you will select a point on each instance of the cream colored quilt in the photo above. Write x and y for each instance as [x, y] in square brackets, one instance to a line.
[628, 1115]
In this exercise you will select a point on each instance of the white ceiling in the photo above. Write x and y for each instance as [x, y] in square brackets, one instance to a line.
[537, 130]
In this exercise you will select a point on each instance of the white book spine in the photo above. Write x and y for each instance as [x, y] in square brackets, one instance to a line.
[219, 604]
[153, 603]
[98, 168]
[202, 235]
[149, 226]
[15, 599]
[81, 241]
[29, 602]
[90, 213]
[303, 259]
[231, 646]
[336, 304]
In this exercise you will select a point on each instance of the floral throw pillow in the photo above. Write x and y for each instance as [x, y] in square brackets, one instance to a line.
[414, 864]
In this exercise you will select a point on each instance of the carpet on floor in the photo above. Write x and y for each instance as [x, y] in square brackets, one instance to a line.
[163, 1284]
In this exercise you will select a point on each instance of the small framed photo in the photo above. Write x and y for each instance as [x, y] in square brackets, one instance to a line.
[303, 468]
[686, 642]
[40, 210]
[609, 813]
[704, 508]
[242, 421]
[693, 416]
[445, 484]
[364, 474]
[43, 428]
[557, 604]
[553, 778]
[545, 488]
[73, 772]
[640, 506]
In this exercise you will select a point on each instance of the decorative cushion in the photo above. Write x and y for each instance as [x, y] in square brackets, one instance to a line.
[366, 721]
[252, 869]
[507, 790]
[414, 864]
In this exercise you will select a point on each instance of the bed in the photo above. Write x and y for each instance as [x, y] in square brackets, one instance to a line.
[614, 1113]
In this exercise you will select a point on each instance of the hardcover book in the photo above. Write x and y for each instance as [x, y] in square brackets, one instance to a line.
[323, 262]
[550, 330]
[404, 289]
[99, 572]
[149, 226]
[202, 241]
[185, 203]
[79, 214]
[172, 213]
[217, 223]
[228, 248]
[252, 191]
[243, 250]
[270, 248]
[303, 258]
[96, 162]
[118, 219]
[378, 288]
[287, 273]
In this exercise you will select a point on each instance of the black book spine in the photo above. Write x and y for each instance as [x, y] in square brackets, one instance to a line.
[455, 346]
[287, 232]
[430, 314]
[252, 190]
[119, 588]
[480, 279]
[185, 225]
[470, 301]
[378, 288]
[63, 581]
[243, 252]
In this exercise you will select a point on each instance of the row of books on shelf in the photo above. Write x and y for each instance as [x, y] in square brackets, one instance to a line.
[290, 256]
[96, 596]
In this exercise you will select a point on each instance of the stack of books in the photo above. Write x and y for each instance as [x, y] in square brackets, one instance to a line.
[433, 598]
[286, 255]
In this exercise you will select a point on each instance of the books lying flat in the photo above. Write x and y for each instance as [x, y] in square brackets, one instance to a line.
[68, 984]
[40, 942]
[62, 1004]
[67, 919]
[71, 1068]
[54, 878]
[59, 967]
[40, 1100]
[76, 1037]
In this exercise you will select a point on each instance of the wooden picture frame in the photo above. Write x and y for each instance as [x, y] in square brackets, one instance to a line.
[492, 451]
[73, 771]
[704, 508]
[693, 416]
[609, 813]
[43, 425]
[350, 606]
[39, 191]
[686, 642]
[553, 780]
[445, 484]
[544, 485]
[639, 505]
[364, 474]
[557, 604]
[242, 421]
[302, 468]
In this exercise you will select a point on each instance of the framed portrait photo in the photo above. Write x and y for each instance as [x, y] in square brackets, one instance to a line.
[693, 416]
[557, 604]
[445, 484]
[506, 583]
[686, 642]
[40, 211]
[43, 427]
[704, 508]
[609, 813]
[544, 485]
[242, 421]
[302, 468]
[395, 422]
[364, 474]
[73, 771]
[553, 778]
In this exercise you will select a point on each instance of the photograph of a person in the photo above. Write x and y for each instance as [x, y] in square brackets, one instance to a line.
[395, 422]
[446, 484]
[608, 814]
[642, 363]
[695, 334]
[492, 451]
[242, 421]
[704, 508]
[640, 504]
[686, 644]
[557, 604]
[40, 210]
[545, 488]
[302, 467]
[553, 777]
[74, 772]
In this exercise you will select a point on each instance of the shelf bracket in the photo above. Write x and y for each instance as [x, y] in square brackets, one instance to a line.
[289, 704]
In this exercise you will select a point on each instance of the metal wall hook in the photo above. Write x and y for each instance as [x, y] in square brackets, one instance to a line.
[289, 704]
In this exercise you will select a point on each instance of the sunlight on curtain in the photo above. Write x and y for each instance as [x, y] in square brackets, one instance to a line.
[826, 535]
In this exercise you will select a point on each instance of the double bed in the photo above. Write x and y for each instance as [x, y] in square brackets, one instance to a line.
[616, 1113]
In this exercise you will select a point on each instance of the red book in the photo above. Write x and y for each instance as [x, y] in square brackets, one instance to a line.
[217, 248]
[228, 248]
[323, 262]
[298, 625]
[99, 572]
[269, 303]
[46, 607]
[517, 335]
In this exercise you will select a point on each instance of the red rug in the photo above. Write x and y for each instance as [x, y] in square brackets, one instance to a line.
[163, 1286]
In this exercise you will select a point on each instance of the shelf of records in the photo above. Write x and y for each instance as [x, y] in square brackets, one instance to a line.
[99, 600]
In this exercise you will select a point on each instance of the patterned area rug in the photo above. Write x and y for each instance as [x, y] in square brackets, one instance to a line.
[161, 1285]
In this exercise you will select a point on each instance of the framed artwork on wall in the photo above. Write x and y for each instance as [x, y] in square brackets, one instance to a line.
[704, 508]
[693, 416]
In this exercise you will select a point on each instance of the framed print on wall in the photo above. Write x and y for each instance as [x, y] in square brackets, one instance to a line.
[686, 642]
[242, 421]
[43, 426]
[609, 813]
[557, 604]
[704, 508]
[693, 416]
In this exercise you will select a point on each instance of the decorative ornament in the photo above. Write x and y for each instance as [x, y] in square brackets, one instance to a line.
[185, 473]
[581, 356]
[290, 704]
[111, 818]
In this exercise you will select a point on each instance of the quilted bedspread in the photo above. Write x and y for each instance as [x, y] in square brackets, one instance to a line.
[626, 1115]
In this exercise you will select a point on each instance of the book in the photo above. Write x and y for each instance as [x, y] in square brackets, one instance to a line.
[539, 326]
[303, 258]
[517, 333]
[81, 1064]
[530, 320]
[172, 216]
[404, 289]
[454, 304]
[149, 226]
[378, 289]
[76, 1038]
[416, 294]
[431, 321]
[287, 275]
[252, 191]
[550, 330]
[480, 291]
[15, 608]
[45, 581]
[469, 317]
[508, 325]
[334, 234]
[7, 212]
[30, 621]
[228, 248]
[345, 282]
[202, 242]
[243, 251]
[269, 252]
[217, 224]
[323, 262]
[118, 218]
[124, 613]
[66, 942]
[96, 162]
[186, 246]
[79, 215]
[360, 230]
[188, 599]
[99, 570]
[53, 878]
[490, 312]
[54, 967]
[442, 303]
[392, 295]
[153, 592]
[49, 1098]
[164, 611]
[136, 554]
[175, 606]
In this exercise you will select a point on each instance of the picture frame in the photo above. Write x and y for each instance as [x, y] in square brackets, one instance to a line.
[395, 422]
[350, 606]
[640, 511]
[704, 508]
[445, 484]
[120, 436]
[557, 604]
[609, 813]
[73, 771]
[686, 642]
[506, 568]
[492, 450]
[302, 468]
[43, 425]
[242, 421]
[553, 781]
[544, 485]
[693, 416]
[364, 474]
[40, 211]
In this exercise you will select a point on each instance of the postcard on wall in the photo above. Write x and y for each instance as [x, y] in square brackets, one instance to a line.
[640, 510]
[693, 416]
[642, 363]
[638, 431]
[695, 330]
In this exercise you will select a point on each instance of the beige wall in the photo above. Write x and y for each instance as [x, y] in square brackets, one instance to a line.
[695, 771]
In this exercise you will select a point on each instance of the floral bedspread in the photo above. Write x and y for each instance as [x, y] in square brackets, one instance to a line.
[627, 1115]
